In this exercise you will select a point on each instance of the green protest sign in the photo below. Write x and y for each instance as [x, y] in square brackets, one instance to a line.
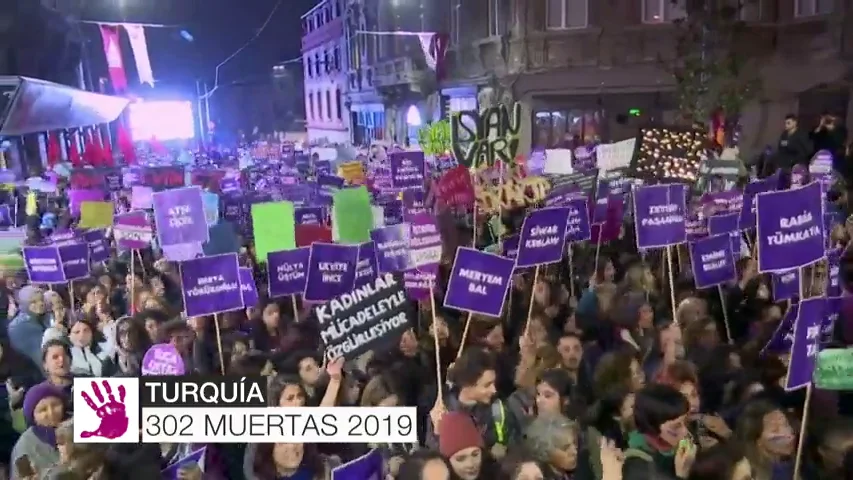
[274, 228]
[834, 369]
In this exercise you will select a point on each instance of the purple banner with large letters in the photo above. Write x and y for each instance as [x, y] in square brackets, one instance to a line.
[179, 216]
[713, 261]
[478, 282]
[331, 271]
[211, 285]
[659, 213]
[43, 265]
[288, 271]
[789, 228]
[543, 237]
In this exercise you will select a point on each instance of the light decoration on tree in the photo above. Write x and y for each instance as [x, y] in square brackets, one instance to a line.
[667, 154]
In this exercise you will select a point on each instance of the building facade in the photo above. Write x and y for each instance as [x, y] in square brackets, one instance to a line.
[587, 69]
[392, 87]
[324, 64]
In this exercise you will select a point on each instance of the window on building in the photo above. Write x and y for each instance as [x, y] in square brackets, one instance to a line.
[309, 67]
[317, 64]
[563, 14]
[327, 12]
[328, 105]
[455, 10]
[335, 11]
[662, 11]
[568, 128]
[311, 106]
[339, 104]
[337, 58]
[319, 106]
[809, 8]
[497, 22]
[751, 11]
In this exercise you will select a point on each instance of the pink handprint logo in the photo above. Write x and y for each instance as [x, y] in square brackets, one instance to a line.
[111, 411]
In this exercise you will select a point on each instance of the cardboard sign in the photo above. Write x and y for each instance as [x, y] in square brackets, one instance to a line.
[495, 136]
[371, 317]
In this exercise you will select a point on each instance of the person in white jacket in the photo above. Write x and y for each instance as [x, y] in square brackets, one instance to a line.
[90, 351]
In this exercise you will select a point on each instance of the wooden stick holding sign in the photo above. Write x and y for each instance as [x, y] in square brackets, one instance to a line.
[532, 300]
[435, 340]
[219, 343]
[725, 308]
[132, 286]
[464, 335]
[806, 404]
[295, 308]
[668, 254]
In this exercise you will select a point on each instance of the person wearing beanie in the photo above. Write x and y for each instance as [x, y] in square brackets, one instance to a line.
[44, 410]
[461, 443]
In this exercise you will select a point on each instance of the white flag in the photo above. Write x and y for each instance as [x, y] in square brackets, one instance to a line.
[136, 33]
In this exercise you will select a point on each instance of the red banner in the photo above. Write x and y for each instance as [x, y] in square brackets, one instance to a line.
[115, 64]
[454, 188]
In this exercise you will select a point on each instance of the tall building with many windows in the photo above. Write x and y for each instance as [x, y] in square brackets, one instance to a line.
[587, 69]
[324, 63]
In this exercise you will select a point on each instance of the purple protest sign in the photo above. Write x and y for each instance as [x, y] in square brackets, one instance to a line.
[407, 170]
[806, 345]
[696, 227]
[509, 247]
[288, 270]
[179, 216]
[366, 270]
[578, 227]
[392, 248]
[723, 223]
[66, 237]
[43, 265]
[174, 471]
[77, 197]
[713, 261]
[327, 186]
[248, 288]
[75, 260]
[747, 213]
[392, 212]
[132, 230]
[425, 244]
[783, 336]
[418, 284]
[799, 176]
[308, 215]
[331, 271]
[543, 236]
[789, 228]
[833, 311]
[163, 359]
[183, 251]
[211, 285]
[659, 212]
[478, 282]
[414, 203]
[833, 266]
[821, 165]
[785, 285]
[99, 250]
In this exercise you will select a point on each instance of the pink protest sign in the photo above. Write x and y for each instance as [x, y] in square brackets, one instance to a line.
[162, 359]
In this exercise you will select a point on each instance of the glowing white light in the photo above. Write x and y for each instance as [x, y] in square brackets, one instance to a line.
[165, 120]
[413, 116]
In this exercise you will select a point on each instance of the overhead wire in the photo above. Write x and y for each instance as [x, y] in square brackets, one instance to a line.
[239, 50]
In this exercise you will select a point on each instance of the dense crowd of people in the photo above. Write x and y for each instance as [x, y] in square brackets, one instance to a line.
[583, 377]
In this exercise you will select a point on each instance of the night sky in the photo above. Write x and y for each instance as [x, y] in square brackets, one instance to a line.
[219, 27]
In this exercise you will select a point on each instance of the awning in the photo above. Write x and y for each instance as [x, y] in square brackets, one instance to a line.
[29, 105]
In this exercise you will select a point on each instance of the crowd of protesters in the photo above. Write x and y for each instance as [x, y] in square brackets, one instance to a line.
[586, 377]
